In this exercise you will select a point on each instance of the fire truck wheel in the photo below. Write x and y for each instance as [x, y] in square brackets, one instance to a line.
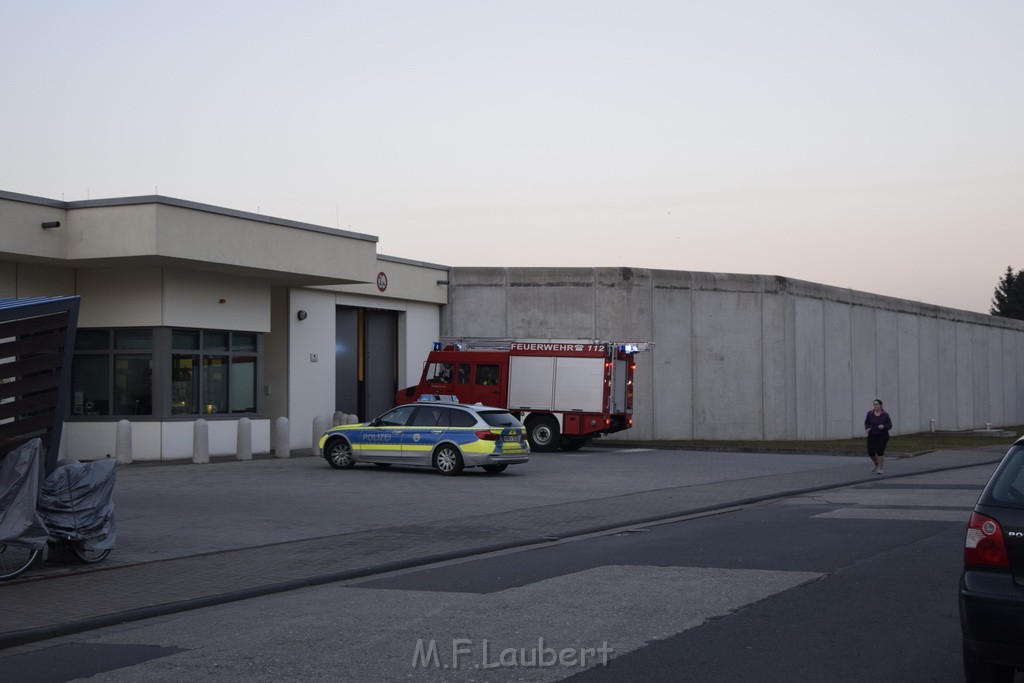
[339, 454]
[543, 434]
[448, 460]
[495, 469]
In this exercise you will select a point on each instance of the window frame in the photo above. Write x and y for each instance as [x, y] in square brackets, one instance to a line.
[163, 352]
[111, 352]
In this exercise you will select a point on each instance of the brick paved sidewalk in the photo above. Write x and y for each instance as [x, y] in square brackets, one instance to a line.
[40, 607]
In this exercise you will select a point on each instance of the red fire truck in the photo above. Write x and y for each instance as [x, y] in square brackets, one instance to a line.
[566, 392]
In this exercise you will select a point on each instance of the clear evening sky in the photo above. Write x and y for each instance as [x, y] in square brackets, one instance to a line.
[871, 145]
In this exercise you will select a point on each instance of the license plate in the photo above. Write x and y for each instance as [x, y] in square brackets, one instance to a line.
[510, 437]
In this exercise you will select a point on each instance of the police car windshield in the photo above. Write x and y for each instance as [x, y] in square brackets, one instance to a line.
[499, 418]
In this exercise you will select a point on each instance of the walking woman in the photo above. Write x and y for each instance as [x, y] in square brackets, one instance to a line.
[878, 425]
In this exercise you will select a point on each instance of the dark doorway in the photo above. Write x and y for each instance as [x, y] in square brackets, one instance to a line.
[366, 361]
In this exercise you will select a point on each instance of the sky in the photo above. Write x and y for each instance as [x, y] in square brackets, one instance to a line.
[872, 145]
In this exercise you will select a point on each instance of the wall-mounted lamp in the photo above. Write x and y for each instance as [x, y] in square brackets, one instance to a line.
[301, 315]
[50, 224]
[442, 282]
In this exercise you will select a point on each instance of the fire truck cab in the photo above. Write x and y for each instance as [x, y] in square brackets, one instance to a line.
[565, 392]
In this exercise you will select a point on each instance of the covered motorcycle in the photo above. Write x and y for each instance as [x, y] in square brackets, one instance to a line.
[20, 476]
[77, 503]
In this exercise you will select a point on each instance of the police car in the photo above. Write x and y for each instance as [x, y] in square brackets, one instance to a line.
[435, 431]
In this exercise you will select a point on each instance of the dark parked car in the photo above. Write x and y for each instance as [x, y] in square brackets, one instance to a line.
[992, 583]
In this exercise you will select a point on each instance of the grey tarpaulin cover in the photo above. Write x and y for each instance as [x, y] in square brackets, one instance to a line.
[77, 501]
[20, 475]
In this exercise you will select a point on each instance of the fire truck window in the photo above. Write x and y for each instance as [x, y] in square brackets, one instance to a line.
[439, 373]
[463, 374]
[487, 374]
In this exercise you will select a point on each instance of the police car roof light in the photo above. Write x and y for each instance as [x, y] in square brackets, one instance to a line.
[438, 398]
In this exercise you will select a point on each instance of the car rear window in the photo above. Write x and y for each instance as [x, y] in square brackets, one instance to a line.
[462, 418]
[1006, 487]
[499, 418]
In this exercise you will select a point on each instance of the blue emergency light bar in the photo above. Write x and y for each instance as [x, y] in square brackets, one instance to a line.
[438, 398]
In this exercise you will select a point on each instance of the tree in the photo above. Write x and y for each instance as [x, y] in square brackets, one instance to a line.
[1008, 300]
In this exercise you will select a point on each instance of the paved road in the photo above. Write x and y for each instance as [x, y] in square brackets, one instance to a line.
[196, 535]
[858, 582]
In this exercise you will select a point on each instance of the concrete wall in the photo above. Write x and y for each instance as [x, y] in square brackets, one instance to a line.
[761, 357]
[310, 382]
[152, 441]
[417, 331]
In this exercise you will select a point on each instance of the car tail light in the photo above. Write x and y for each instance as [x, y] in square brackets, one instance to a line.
[486, 435]
[984, 542]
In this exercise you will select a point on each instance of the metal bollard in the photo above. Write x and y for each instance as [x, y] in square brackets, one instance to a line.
[282, 438]
[201, 442]
[243, 449]
[319, 427]
[123, 443]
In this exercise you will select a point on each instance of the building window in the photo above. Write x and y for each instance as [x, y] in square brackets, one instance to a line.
[213, 372]
[164, 372]
[112, 372]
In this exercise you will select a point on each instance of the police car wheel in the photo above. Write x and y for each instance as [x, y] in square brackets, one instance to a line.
[495, 469]
[448, 460]
[543, 434]
[339, 454]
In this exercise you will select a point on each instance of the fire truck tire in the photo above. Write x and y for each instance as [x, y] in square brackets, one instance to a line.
[543, 434]
[569, 444]
[495, 469]
[448, 460]
[339, 454]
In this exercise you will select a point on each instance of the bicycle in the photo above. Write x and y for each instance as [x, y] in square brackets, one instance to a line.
[16, 560]
[22, 531]
[72, 510]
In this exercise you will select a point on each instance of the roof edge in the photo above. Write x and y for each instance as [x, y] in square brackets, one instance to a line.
[183, 204]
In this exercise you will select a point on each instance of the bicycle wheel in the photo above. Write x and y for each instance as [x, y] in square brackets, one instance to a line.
[88, 556]
[14, 560]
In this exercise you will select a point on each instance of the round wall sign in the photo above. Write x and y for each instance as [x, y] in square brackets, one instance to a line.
[382, 281]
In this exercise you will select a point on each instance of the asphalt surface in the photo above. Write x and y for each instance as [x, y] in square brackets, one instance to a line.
[193, 535]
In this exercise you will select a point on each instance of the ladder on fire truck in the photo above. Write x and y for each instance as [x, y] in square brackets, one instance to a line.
[505, 344]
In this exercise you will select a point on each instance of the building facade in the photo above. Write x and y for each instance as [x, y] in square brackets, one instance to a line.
[194, 312]
[190, 312]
